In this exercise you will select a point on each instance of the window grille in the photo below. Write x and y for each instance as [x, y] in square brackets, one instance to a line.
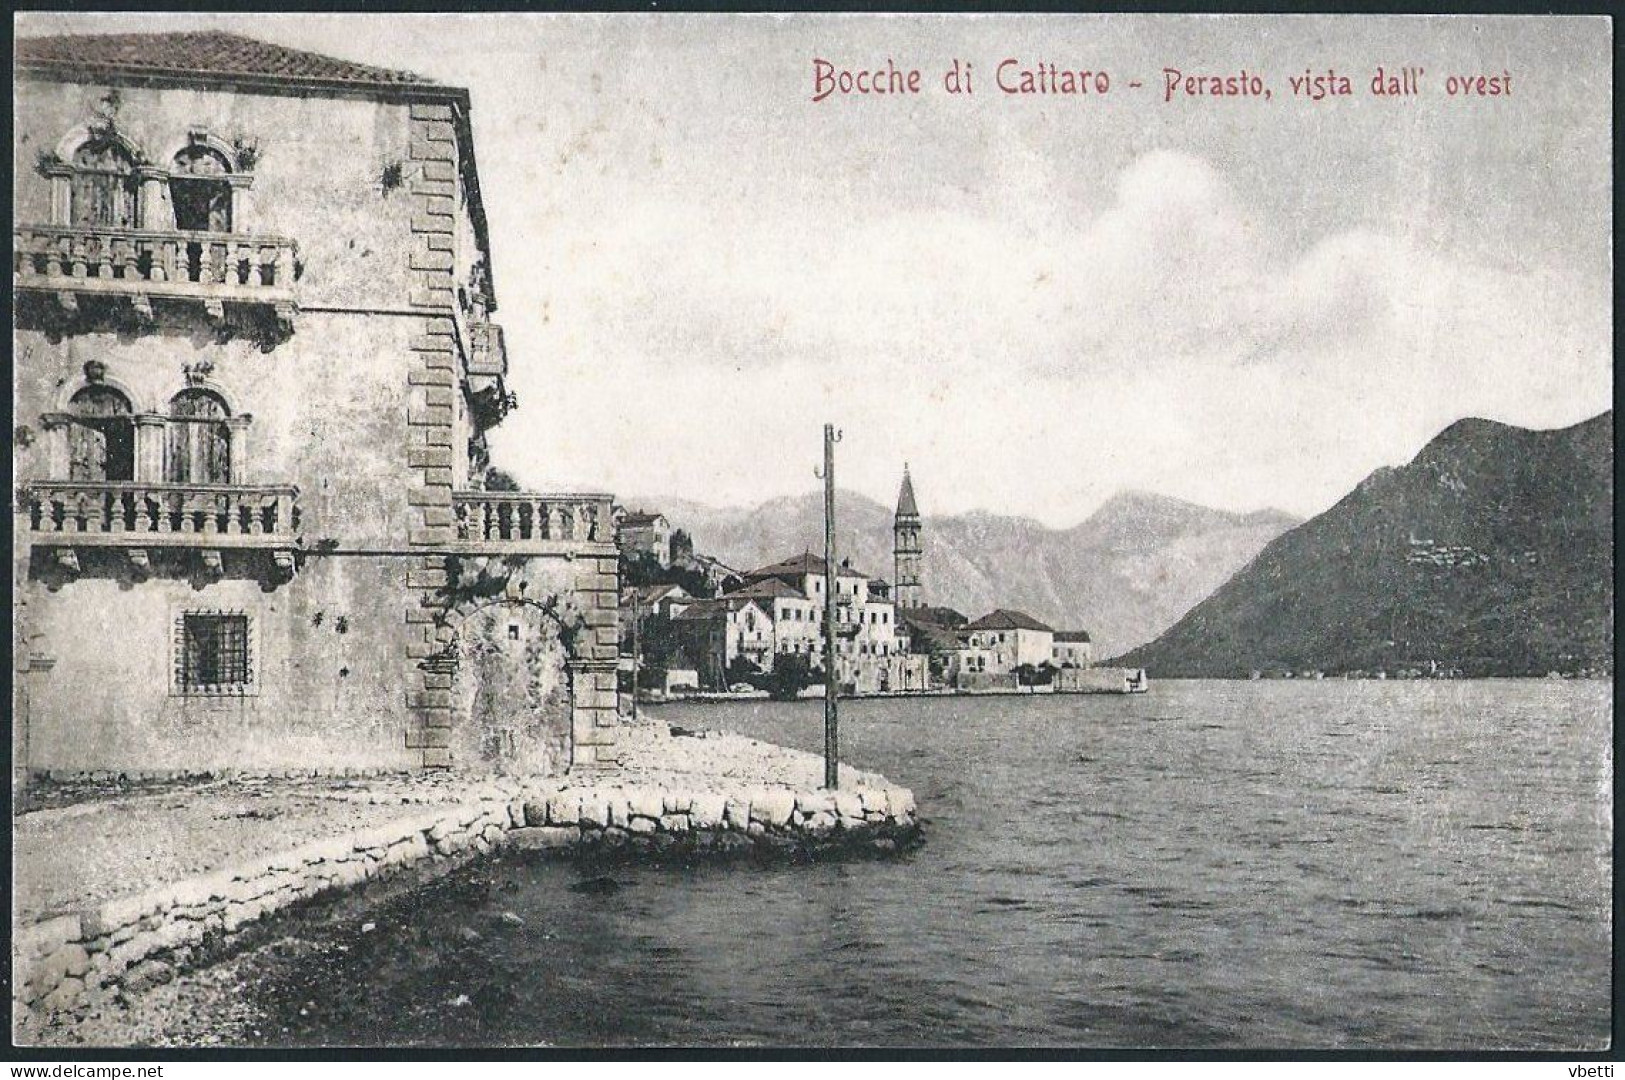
[212, 653]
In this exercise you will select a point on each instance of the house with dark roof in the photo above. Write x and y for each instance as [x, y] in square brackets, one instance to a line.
[256, 367]
[873, 654]
[1013, 638]
[713, 634]
[642, 532]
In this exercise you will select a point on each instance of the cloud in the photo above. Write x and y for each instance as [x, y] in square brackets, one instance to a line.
[1042, 357]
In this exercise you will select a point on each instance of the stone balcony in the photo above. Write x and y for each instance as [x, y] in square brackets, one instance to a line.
[531, 523]
[487, 373]
[144, 265]
[488, 351]
[67, 517]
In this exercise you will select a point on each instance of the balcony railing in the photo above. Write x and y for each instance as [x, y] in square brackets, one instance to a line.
[488, 352]
[88, 512]
[521, 517]
[143, 263]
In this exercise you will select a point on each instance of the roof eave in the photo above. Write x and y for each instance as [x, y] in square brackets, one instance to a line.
[99, 72]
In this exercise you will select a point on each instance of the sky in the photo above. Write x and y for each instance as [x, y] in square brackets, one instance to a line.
[1033, 300]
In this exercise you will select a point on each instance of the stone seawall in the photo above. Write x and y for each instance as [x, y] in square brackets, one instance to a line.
[130, 942]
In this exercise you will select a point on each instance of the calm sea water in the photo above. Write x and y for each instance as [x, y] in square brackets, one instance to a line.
[1212, 865]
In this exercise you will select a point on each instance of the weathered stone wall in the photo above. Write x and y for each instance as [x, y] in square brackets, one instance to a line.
[1099, 680]
[77, 958]
[326, 690]
[360, 409]
[318, 177]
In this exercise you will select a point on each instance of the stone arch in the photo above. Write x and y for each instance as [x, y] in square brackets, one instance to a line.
[499, 695]
[101, 434]
[201, 195]
[451, 595]
[195, 381]
[205, 141]
[71, 388]
[70, 144]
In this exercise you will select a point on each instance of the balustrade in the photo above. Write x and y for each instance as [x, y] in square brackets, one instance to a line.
[513, 516]
[245, 267]
[87, 512]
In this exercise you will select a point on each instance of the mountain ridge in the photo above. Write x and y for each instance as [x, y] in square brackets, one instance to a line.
[1124, 573]
[1488, 553]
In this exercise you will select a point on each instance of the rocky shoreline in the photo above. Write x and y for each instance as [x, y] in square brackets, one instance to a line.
[677, 799]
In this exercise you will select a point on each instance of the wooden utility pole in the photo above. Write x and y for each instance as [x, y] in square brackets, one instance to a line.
[637, 648]
[832, 742]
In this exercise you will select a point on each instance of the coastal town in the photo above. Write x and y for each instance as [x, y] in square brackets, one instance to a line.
[426, 633]
[761, 631]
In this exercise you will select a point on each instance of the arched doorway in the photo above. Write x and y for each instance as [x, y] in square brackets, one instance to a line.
[101, 438]
[198, 450]
[199, 190]
[104, 190]
[511, 694]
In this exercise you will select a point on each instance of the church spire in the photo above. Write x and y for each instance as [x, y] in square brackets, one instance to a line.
[905, 496]
[906, 546]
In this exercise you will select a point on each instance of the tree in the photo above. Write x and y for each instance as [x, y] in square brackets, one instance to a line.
[1028, 675]
[499, 480]
[742, 669]
[791, 674]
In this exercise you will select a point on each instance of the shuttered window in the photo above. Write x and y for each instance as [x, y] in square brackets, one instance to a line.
[104, 188]
[198, 450]
[101, 438]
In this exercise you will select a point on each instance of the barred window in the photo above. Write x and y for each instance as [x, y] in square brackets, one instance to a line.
[213, 654]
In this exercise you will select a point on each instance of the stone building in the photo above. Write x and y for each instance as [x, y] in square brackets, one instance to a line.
[254, 371]
[1072, 649]
[712, 634]
[872, 650]
[1010, 639]
[640, 532]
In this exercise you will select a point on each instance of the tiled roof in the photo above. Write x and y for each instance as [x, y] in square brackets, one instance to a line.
[652, 594]
[767, 588]
[1079, 636]
[936, 615]
[804, 564]
[204, 53]
[1006, 619]
[703, 610]
[639, 517]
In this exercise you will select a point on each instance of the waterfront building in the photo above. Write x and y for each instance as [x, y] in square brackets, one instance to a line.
[906, 552]
[1072, 649]
[638, 532]
[713, 634]
[872, 648]
[1009, 639]
[665, 601]
[255, 368]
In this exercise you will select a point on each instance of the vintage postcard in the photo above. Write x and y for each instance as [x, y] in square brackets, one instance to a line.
[813, 531]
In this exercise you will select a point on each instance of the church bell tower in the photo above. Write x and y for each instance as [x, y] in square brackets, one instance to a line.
[906, 547]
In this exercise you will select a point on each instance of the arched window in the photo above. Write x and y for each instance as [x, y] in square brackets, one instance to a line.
[199, 190]
[198, 450]
[105, 190]
[101, 438]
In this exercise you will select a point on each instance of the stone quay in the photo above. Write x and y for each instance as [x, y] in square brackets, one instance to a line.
[98, 922]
